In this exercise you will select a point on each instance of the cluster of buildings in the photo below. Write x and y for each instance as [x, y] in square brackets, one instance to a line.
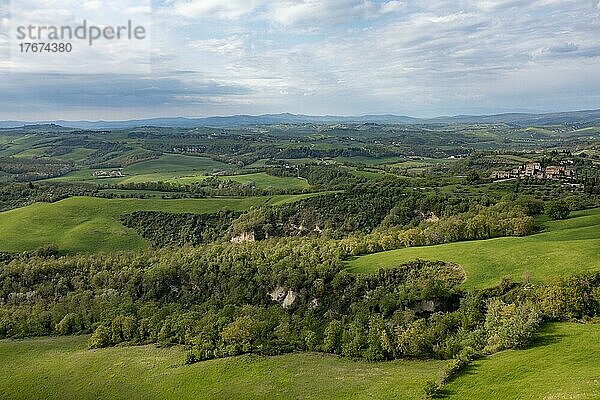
[189, 149]
[115, 173]
[535, 170]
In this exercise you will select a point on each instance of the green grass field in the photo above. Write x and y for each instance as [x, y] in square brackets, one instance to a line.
[564, 248]
[176, 164]
[559, 365]
[184, 170]
[62, 368]
[87, 224]
[562, 364]
[265, 181]
[259, 180]
[169, 167]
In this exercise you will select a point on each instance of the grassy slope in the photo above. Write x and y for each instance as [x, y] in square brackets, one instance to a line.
[61, 368]
[89, 225]
[171, 166]
[86, 224]
[560, 365]
[566, 247]
[182, 170]
[563, 364]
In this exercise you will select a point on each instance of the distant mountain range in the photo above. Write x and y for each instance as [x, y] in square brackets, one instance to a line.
[519, 119]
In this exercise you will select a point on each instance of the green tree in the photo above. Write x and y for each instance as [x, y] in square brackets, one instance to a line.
[100, 338]
[333, 337]
[557, 210]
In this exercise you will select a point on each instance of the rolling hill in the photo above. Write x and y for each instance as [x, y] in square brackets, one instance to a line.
[564, 248]
[521, 119]
[88, 224]
[559, 365]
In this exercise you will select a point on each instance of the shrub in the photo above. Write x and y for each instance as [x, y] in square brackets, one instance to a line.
[510, 326]
[432, 390]
[311, 340]
[100, 338]
[71, 323]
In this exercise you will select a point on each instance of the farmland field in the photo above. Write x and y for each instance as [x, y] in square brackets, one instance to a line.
[550, 253]
[168, 167]
[62, 368]
[262, 180]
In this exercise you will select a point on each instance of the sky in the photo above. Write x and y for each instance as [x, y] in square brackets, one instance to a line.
[319, 57]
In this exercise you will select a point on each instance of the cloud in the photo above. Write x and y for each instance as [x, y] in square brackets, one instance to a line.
[285, 12]
[564, 48]
[229, 10]
[338, 56]
[316, 12]
[492, 5]
[104, 56]
[54, 92]
[232, 44]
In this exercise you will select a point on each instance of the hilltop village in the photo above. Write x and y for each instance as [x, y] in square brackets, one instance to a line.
[564, 171]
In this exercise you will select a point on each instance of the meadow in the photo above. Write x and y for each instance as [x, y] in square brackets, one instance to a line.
[564, 248]
[167, 167]
[62, 368]
[259, 180]
[559, 365]
[90, 225]
[182, 170]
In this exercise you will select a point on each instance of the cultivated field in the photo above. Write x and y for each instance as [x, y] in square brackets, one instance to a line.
[167, 167]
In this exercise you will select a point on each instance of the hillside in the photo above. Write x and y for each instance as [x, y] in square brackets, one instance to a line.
[587, 116]
[87, 224]
[539, 372]
[557, 366]
[564, 248]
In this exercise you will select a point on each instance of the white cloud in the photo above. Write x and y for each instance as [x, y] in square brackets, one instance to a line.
[125, 56]
[229, 9]
[232, 44]
[285, 12]
[372, 56]
[315, 12]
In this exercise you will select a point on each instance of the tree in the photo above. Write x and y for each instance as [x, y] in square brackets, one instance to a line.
[473, 177]
[557, 210]
[242, 333]
[311, 340]
[510, 326]
[100, 338]
[333, 337]
[71, 323]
